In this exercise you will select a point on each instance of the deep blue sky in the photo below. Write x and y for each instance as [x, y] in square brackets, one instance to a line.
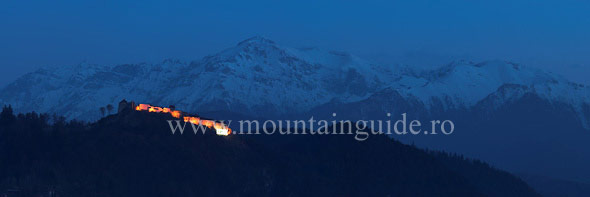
[553, 35]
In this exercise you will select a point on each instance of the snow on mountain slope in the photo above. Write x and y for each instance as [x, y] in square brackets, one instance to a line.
[261, 78]
[466, 83]
[463, 84]
[78, 91]
[256, 77]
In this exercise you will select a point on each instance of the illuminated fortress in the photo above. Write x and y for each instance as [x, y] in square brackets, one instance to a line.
[220, 127]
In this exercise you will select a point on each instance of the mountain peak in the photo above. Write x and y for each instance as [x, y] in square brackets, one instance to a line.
[256, 39]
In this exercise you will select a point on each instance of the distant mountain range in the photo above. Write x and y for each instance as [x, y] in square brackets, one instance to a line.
[519, 118]
[259, 77]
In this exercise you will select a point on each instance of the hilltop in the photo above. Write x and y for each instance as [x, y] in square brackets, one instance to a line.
[134, 154]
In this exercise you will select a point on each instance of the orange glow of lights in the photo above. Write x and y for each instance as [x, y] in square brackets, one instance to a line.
[207, 123]
[142, 107]
[175, 114]
[194, 120]
[155, 109]
[220, 128]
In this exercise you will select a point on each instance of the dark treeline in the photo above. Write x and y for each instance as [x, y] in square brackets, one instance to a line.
[135, 154]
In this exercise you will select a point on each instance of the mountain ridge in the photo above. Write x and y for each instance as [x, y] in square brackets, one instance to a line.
[260, 77]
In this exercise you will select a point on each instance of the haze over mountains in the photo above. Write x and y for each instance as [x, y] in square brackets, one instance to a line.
[519, 118]
[243, 78]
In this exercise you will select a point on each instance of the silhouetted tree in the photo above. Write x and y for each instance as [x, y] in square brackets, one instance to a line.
[102, 111]
[7, 114]
[109, 108]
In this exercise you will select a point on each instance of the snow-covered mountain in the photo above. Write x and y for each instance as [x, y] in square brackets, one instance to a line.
[78, 91]
[466, 83]
[463, 84]
[261, 78]
[256, 77]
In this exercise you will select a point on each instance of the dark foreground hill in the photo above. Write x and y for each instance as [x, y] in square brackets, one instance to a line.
[135, 154]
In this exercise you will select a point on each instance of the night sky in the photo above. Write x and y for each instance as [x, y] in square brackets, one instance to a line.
[552, 35]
